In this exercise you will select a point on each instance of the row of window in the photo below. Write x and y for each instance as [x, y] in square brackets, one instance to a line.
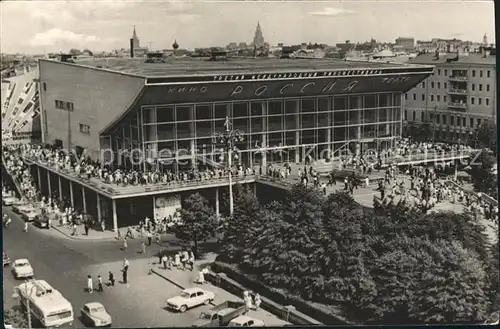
[445, 99]
[488, 73]
[443, 118]
[62, 105]
[445, 86]
[85, 129]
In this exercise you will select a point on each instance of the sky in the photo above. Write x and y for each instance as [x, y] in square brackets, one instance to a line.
[54, 26]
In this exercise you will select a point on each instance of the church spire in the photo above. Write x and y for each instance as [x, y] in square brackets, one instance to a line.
[135, 34]
[258, 39]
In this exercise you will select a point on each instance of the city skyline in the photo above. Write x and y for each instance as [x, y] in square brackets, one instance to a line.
[105, 25]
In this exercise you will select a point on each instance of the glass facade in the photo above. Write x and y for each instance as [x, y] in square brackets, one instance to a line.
[275, 130]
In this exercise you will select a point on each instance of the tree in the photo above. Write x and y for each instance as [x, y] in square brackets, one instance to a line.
[493, 271]
[75, 52]
[16, 318]
[198, 221]
[482, 176]
[486, 136]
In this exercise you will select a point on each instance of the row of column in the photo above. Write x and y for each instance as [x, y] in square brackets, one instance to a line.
[99, 213]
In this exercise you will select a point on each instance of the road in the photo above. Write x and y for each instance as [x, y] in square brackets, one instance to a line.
[65, 263]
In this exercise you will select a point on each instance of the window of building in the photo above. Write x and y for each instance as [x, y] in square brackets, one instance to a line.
[444, 98]
[414, 96]
[439, 71]
[439, 85]
[406, 115]
[444, 119]
[414, 116]
[445, 73]
[423, 97]
[437, 118]
[45, 85]
[487, 87]
[421, 116]
[458, 121]
[480, 87]
[438, 98]
[445, 85]
[464, 121]
[473, 87]
[432, 84]
[488, 73]
[473, 73]
[472, 100]
[479, 100]
[68, 106]
[478, 122]
[85, 129]
[487, 101]
[471, 122]
[452, 120]
[432, 98]
[423, 84]
[481, 73]
[406, 96]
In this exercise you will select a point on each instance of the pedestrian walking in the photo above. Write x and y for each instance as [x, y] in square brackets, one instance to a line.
[25, 226]
[143, 248]
[74, 230]
[111, 279]
[125, 245]
[158, 237]
[257, 301]
[191, 261]
[90, 284]
[150, 238]
[99, 284]
[86, 229]
[164, 261]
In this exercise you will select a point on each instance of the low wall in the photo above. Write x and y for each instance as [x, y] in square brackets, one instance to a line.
[299, 311]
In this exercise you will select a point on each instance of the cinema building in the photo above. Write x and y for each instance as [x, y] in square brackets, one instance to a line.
[300, 107]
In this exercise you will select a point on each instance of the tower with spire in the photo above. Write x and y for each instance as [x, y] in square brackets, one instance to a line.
[135, 40]
[485, 41]
[258, 39]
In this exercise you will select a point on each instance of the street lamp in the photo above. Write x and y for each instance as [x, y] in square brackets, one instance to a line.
[228, 138]
[28, 291]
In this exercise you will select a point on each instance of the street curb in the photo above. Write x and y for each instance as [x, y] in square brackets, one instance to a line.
[167, 279]
[69, 236]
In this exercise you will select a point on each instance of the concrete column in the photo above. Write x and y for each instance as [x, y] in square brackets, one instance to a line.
[99, 217]
[48, 184]
[71, 194]
[217, 212]
[329, 135]
[297, 133]
[84, 201]
[60, 187]
[358, 137]
[115, 217]
[39, 179]
[192, 135]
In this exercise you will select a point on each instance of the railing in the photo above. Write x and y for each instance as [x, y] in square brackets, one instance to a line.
[431, 156]
[457, 91]
[14, 179]
[120, 189]
[458, 77]
[458, 105]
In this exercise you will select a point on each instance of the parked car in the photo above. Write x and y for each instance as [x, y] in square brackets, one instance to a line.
[42, 221]
[9, 200]
[246, 321]
[95, 315]
[22, 269]
[29, 215]
[220, 315]
[6, 259]
[189, 298]
[22, 207]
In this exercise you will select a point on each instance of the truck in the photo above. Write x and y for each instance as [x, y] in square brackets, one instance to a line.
[220, 315]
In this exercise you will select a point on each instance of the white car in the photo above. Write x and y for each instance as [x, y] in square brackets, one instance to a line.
[95, 315]
[245, 321]
[9, 201]
[29, 215]
[189, 298]
[22, 269]
[22, 208]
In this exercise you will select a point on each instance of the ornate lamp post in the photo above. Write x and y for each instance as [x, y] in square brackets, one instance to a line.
[228, 138]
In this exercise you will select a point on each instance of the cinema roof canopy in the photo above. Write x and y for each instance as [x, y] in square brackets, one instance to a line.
[188, 66]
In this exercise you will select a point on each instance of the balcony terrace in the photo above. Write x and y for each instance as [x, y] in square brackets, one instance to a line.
[457, 105]
[457, 91]
[458, 78]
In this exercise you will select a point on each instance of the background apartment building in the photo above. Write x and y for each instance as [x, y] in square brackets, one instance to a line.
[457, 98]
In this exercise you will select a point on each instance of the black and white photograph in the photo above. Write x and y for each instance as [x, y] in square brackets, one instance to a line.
[204, 163]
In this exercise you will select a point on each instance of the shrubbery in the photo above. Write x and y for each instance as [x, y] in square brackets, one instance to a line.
[393, 264]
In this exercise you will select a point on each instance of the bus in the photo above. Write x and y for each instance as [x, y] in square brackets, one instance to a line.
[47, 305]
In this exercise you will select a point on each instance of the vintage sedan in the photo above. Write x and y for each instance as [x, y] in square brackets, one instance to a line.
[6, 259]
[23, 207]
[9, 200]
[22, 269]
[189, 298]
[245, 321]
[95, 315]
[29, 215]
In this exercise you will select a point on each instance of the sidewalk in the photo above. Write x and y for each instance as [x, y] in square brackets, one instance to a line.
[93, 235]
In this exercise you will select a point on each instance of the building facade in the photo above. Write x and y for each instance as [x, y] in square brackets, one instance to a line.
[457, 98]
[408, 44]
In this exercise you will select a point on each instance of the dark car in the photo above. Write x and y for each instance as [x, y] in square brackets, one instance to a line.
[6, 259]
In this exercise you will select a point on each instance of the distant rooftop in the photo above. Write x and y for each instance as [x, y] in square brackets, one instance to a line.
[201, 66]
[431, 59]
